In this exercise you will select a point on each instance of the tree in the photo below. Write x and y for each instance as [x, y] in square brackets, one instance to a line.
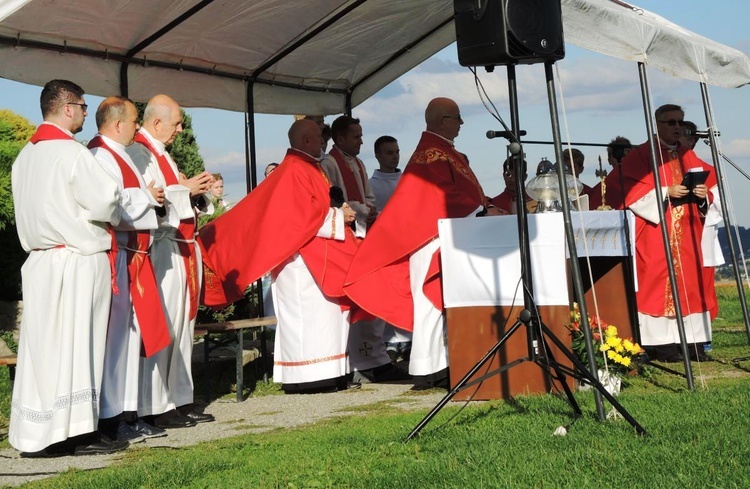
[184, 150]
[15, 131]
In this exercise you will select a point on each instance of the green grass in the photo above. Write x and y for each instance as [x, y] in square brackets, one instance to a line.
[696, 439]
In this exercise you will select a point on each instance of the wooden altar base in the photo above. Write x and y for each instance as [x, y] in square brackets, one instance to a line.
[615, 293]
[473, 331]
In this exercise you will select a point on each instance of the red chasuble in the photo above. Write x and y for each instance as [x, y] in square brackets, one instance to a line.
[279, 218]
[185, 231]
[437, 183]
[684, 227]
[143, 290]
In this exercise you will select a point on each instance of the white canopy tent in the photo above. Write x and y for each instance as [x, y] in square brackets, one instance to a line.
[312, 56]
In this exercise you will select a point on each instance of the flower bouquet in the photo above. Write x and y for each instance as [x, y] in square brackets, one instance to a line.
[618, 355]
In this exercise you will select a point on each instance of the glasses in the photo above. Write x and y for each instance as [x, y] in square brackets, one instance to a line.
[457, 117]
[673, 122]
[82, 106]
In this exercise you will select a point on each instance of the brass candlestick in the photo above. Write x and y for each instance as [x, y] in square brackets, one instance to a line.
[602, 174]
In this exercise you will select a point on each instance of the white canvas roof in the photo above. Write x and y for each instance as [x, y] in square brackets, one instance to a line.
[305, 56]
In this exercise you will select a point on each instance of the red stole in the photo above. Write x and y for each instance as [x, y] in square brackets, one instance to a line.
[185, 231]
[350, 179]
[143, 290]
[50, 132]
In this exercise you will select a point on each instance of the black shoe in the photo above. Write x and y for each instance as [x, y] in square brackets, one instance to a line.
[200, 417]
[349, 386]
[676, 358]
[103, 446]
[191, 411]
[45, 453]
[173, 419]
[700, 357]
[146, 429]
[126, 433]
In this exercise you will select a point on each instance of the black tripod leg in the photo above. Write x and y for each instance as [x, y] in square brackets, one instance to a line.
[561, 376]
[463, 381]
[585, 374]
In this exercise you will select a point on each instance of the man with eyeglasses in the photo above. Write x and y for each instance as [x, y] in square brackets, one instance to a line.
[685, 210]
[64, 205]
[395, 274]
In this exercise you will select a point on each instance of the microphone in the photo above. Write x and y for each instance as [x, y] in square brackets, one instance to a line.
[503, 134]
[689, 133]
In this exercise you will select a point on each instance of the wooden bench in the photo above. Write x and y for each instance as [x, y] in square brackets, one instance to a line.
[235, 341]
[10, 362]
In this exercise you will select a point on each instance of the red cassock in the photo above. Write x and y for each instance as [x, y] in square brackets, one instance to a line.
[437, 183]
[685, 229]
[279, 218]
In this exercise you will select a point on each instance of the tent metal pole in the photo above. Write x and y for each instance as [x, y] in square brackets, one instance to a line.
[723, 202]
[251, 180]
[575, 266]
[648, 110]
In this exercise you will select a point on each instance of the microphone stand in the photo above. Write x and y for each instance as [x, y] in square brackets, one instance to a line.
[537, 333]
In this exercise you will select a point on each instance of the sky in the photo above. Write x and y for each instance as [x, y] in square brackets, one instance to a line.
[599, 98]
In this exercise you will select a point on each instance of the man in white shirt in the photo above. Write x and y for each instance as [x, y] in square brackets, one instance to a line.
[64, 204]
[383, 182]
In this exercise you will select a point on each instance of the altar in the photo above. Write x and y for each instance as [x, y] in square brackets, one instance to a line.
[483, 296]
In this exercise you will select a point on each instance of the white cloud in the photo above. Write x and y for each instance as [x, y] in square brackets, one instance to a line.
[737, 148]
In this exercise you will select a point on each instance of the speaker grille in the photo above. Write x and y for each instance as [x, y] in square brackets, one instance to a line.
[534, 26]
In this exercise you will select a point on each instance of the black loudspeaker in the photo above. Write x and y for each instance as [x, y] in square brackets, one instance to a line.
[502, 32]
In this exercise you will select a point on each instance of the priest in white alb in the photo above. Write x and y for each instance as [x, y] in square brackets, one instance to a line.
[64, 204]
[136, 321]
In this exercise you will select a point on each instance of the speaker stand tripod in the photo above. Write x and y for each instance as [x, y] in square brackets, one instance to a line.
[538, 351]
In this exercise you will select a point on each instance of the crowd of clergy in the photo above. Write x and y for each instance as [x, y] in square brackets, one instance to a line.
[117, 266]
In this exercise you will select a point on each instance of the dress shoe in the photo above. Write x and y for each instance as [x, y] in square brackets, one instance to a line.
[102, 446]
[147, 430]
[193, 412]
[45, 453]
[200, 417]
[173, 419]
[128, 434]
[676, 358]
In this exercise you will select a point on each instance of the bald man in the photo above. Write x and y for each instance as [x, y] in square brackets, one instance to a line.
[307, 246]
[395, 274]
[166, 397]
[136, 318]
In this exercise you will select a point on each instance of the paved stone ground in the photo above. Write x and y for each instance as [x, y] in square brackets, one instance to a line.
[254, 415]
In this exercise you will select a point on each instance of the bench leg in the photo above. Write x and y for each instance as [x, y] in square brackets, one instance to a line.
[264, 353]
[240, 369]
[206, 376]
[11, 376]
